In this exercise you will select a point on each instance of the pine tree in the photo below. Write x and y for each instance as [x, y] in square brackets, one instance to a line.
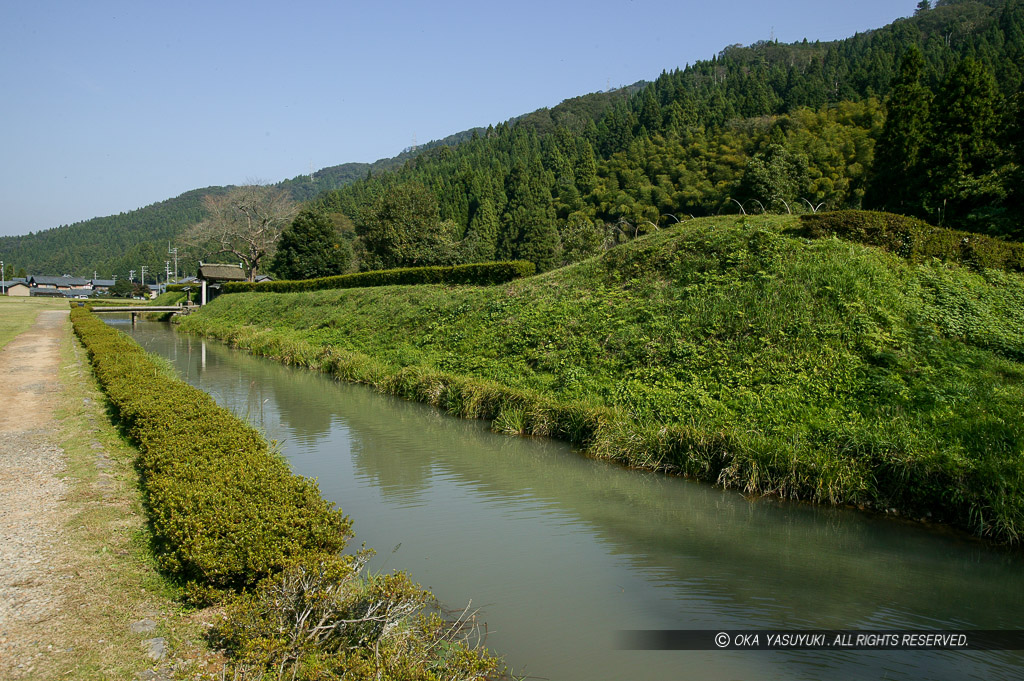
[962, 145]
[540, 244]
[1010, 69]
[650, 111]
[528, 225]
[481, 239]
[1014, 177]
[896, 185]
[586, 167]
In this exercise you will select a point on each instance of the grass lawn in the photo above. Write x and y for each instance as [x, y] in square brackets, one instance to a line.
[18, 314]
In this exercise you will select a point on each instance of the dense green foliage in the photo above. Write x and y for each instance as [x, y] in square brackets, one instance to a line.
[915, 239]
[942, 154]
[228, 516]
[814, 369]
[478, 274]
[770, 127]
[311, 247]
[402, 229]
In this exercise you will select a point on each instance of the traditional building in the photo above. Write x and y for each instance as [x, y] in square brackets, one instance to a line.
[212, 275]
[65, 283]
[15, 288]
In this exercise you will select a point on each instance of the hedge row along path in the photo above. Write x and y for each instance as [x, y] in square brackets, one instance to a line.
[30, 494]
[80, 597]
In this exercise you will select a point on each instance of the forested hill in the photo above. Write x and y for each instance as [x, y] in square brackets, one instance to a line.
[769, 127]
[118, 243]
[766, 128]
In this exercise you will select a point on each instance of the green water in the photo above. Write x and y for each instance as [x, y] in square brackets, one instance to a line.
[561, 553]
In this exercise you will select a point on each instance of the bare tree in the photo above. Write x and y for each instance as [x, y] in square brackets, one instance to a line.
[246, 222]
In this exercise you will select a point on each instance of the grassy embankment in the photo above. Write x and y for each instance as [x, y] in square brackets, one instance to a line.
[721, 349]
[168, 298]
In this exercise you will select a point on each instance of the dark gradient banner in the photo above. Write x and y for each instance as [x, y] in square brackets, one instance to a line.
[729, 639]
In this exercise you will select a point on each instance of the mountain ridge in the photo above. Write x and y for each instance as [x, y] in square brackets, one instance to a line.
[50, 250]
[714, 93]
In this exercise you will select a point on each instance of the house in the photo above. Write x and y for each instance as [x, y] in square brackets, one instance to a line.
[103, 285]
[212, 275]
[15, 288]
[65, 283]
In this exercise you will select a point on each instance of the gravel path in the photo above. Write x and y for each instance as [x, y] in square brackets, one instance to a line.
[30, 491]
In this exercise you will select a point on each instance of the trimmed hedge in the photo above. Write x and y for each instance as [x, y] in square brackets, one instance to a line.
[226, 512]
[478, 274]
[915, 239]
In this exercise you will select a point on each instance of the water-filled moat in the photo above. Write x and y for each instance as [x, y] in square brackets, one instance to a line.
[561, 553]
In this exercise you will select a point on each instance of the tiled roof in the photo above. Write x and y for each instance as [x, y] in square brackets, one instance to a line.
[59, 281]
[212, 272]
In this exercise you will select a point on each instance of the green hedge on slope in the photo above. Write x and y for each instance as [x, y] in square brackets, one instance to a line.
[478, 274]
[915, 239]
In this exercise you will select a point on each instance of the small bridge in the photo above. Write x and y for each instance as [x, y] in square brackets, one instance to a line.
[140, 308]
[136, 310]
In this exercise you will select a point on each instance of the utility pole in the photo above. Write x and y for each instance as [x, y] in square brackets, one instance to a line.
[131, 276]
[143, 275]
[174, 252]
[167, 271]
[3, 280]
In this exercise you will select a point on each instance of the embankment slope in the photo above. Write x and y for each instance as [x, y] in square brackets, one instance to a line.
[732, 351]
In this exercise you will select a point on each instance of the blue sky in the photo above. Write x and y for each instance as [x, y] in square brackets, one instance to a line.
[110, 106]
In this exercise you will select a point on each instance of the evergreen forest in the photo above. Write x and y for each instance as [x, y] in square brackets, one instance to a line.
[922, 117]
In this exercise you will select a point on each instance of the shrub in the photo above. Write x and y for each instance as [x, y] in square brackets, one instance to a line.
[323, 619]
[225, 510]
[478, 274]
[915, 239]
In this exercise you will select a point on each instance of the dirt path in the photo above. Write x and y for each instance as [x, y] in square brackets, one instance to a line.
[31, 491]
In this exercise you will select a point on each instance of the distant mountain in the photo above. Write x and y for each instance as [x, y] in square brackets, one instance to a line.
[769, 126]
[116, 244]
